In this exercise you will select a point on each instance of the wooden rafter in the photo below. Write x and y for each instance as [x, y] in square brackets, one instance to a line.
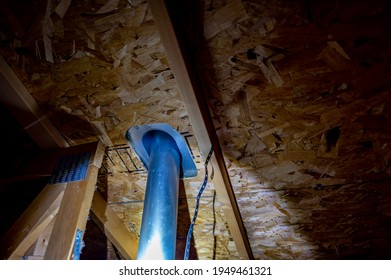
[37, 251]
[202, 125]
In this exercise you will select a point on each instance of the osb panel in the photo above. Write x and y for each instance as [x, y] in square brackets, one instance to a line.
[110, 72]
[300, 96]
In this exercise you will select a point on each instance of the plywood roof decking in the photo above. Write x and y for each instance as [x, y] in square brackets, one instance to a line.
[301, 101]
[300, 98]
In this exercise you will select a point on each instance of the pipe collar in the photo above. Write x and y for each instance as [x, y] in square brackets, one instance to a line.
[139, 139]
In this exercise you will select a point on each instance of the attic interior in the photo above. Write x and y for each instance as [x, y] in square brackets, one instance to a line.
[292, 95]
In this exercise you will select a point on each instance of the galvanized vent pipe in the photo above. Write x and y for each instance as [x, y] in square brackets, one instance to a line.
[167, 158]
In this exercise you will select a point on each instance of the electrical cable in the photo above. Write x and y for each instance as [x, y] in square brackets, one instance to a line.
[190, 232]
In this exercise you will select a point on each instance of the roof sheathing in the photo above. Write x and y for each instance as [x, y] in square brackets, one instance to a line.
[300, 96]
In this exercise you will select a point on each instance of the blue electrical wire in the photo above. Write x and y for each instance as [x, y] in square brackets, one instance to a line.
[203, 186]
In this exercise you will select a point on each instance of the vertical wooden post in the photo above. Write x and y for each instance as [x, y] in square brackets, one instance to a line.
[74, 210]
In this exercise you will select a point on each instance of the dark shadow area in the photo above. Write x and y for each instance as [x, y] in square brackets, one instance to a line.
[95, 243]
[15, 198]
[354, 222]
[183, 226]
[18, 147]
[16, 192]
[95, 240]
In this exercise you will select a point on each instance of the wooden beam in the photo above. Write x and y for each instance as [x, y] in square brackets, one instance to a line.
[74, 210]
[113, 227]
[72, 216]
[37, 251]
[32, 222]
[202, 124]
[26, 110]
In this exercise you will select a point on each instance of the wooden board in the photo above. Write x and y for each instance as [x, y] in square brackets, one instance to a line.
[38, 249]
[74, 210]
[72, 215]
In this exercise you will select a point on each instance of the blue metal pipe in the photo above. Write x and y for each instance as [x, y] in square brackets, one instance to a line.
[158, 228]
[167, 158]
